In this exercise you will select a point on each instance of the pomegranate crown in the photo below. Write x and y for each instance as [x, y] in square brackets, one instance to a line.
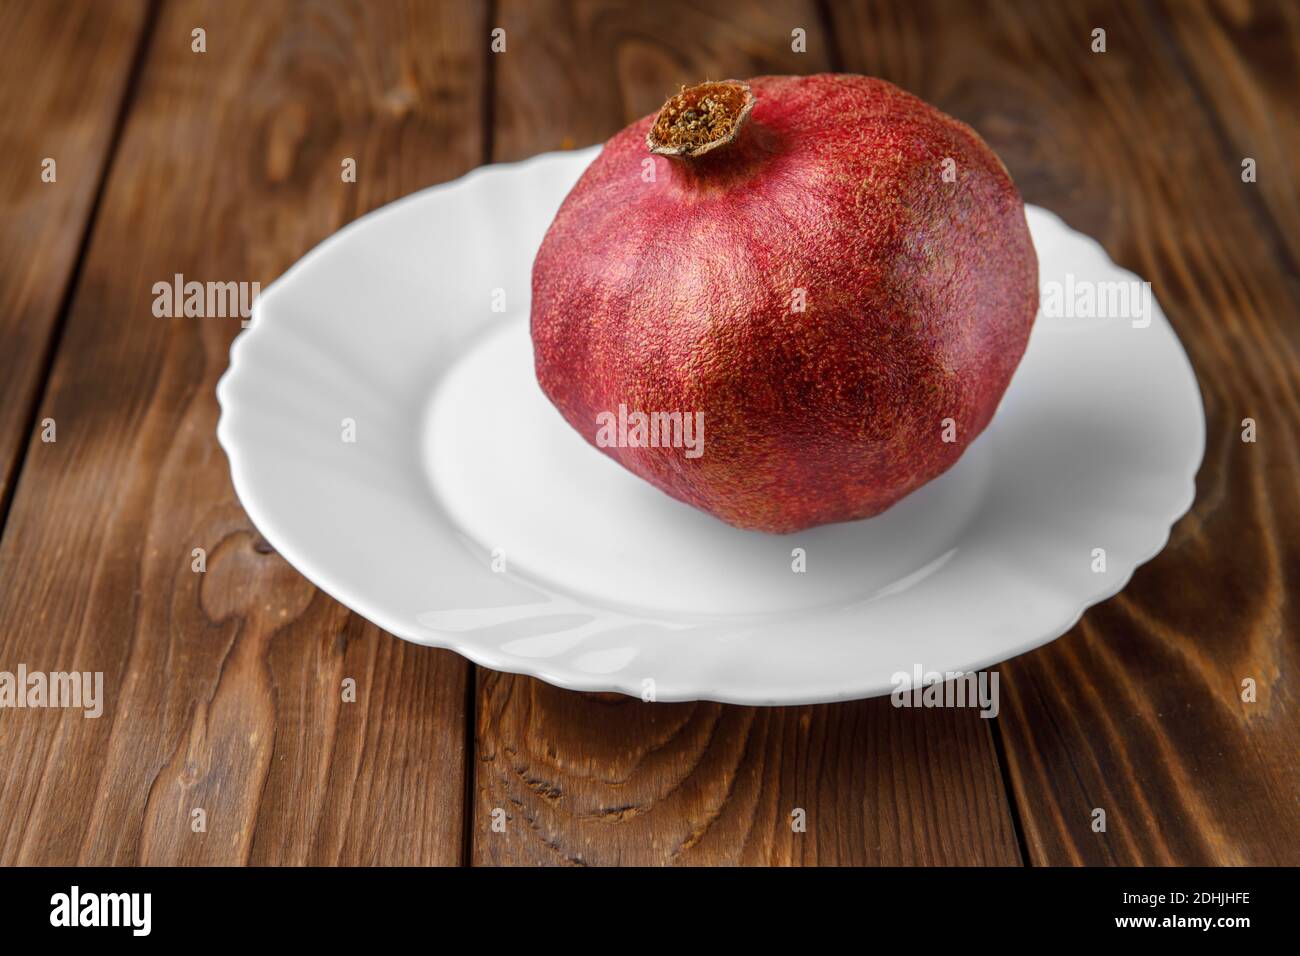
[700, 118]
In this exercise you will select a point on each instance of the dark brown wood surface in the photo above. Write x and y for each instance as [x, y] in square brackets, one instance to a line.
[225, 686]
[63, 73]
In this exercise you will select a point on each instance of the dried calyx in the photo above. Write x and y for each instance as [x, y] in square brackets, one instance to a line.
[701, 118]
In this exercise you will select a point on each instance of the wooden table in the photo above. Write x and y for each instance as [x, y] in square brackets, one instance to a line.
[223, 687]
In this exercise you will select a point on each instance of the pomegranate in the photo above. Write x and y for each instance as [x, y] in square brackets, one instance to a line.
[786, 301]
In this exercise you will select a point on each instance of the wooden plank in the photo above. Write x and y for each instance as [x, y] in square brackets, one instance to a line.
[576, 72]
[223, 689]
[63, 73]
[1137, 711]
[1244, 61]
[602, 779]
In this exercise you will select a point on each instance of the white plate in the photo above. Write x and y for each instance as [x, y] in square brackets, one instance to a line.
[607, 582]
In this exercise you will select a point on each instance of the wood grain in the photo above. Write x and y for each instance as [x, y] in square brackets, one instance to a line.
[602, 779]
[63, 74]
[1137, 711]
[575, 73]
[224, 688]
[1243, 59]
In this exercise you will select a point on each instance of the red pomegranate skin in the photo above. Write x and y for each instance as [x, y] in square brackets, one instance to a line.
[676, 295]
